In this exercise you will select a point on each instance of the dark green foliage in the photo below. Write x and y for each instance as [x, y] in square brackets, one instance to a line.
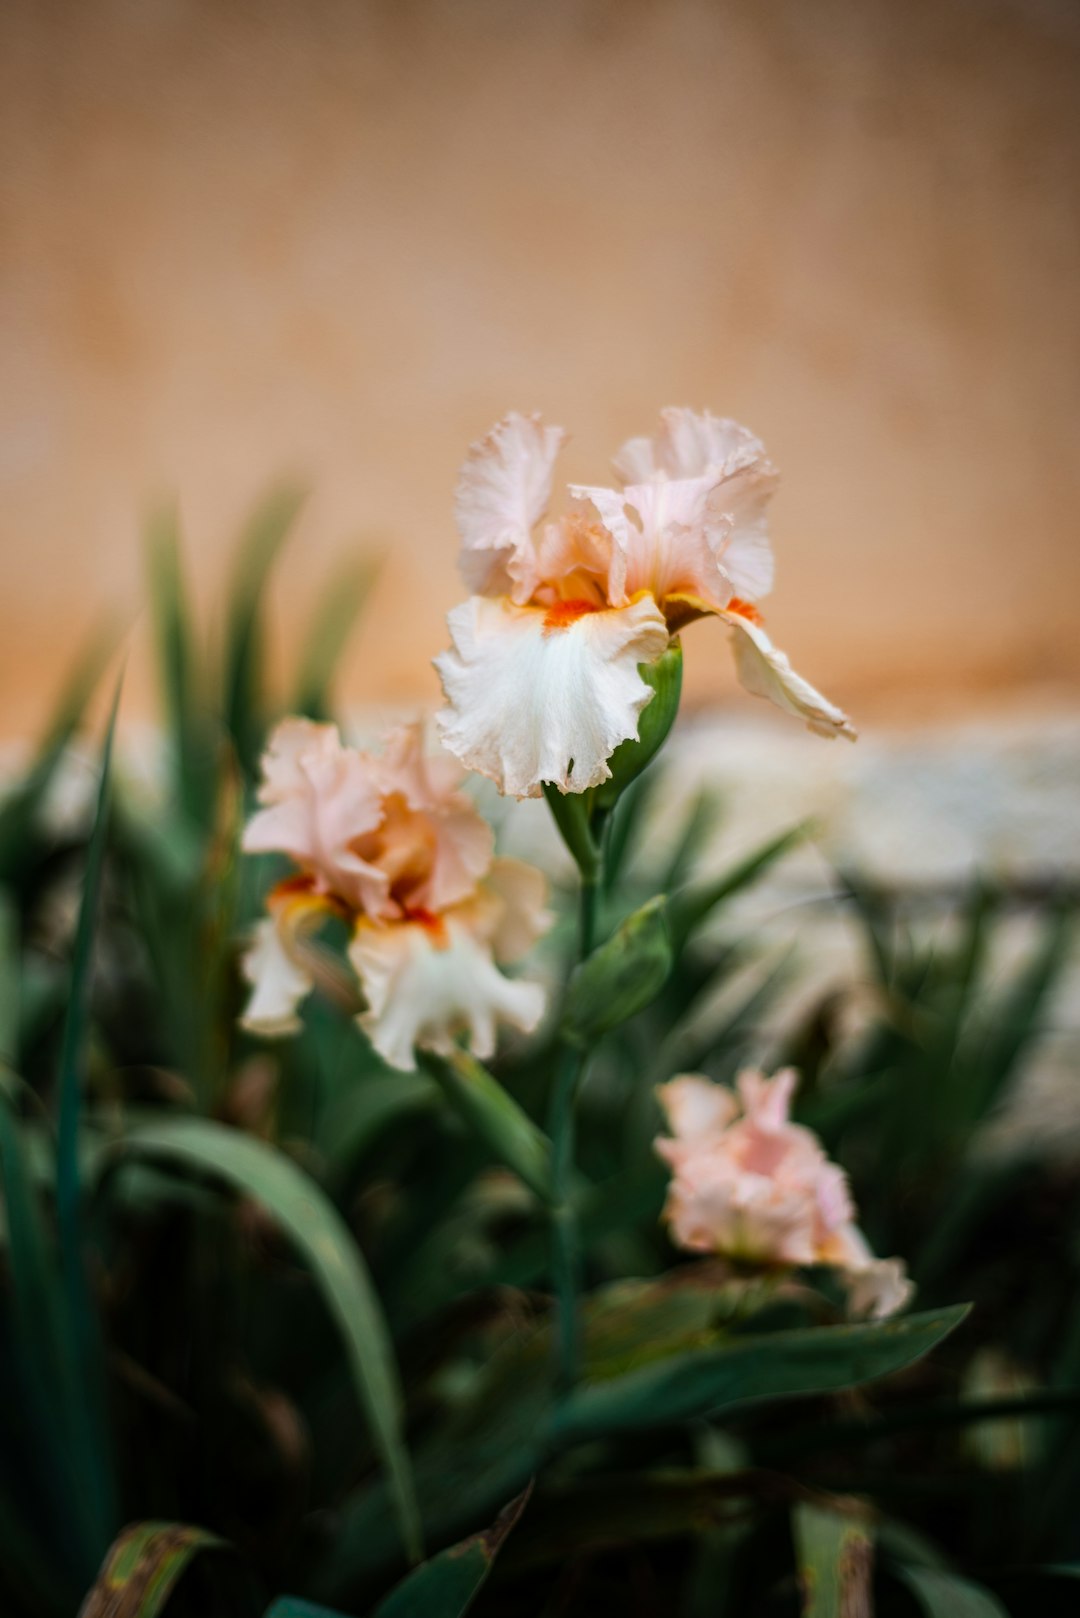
[300, 1302]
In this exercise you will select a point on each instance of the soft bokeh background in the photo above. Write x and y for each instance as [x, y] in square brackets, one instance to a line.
[338, 238]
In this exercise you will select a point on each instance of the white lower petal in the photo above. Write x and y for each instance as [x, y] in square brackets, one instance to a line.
[278, 983]
[764, 671]
[529, 701]
[425, 985]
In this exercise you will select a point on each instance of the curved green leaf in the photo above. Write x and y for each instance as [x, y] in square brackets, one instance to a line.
[496, 1117]
[691, 907]
[446, 1586]
[621, 977]
[782, 1364]
[946, 1595]
[835, 1555]
[143, 1567]
[314, 1224]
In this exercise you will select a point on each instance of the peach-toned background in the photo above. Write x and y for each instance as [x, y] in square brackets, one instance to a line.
[339, 238]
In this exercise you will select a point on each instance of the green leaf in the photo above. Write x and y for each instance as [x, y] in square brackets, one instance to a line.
[783, 1364]
[242, 696]
[10, 985]
[193, 746]
[143, 1567]
[90, 1439]
[835, 1555]
[946, 1595]
[446, 1586]
[496, 1117]
[314, 1224]
[20, 812]
[621, 977]
[330, 629]
[691, 907]
[294, 1607]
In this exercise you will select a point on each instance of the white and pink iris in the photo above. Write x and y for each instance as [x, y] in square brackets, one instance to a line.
[749, 1184]
[388, 844]
[542, 681]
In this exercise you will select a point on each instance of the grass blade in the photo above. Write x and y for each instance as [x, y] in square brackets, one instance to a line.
[446, 1586]
[90, 1438]
[690, 908]
[143, 1567]
[242, 696]
[315, 1226]
[331, 626]
[835, 1555]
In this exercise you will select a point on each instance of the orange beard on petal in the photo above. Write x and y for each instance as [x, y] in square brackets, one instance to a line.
[745, 609]
[561, 614]
[433, 925]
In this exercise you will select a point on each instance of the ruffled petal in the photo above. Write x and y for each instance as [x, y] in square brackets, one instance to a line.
[726, 466]
[279, 982]
[523, 916]
[535, 696]
[764, 671]
[687, 444]
[696, 1108]
[433, 844]
[319, 798]
[425, 983]
[882, 1289]
[502, 494]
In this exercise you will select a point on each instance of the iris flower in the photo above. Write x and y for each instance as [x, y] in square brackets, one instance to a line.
[751, 1185]
[542, 681]
[391, 847]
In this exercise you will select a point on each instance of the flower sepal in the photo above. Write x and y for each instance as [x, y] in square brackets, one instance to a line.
[664, 678]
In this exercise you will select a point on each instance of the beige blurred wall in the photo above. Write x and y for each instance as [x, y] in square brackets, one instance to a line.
[240, 240]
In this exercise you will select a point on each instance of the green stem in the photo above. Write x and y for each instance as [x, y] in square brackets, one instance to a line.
[565, 1237]
[566, 1257]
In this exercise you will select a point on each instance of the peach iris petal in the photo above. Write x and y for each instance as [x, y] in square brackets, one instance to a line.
[502, 494]
[412, 872]
[749, 1183]
[764, 670]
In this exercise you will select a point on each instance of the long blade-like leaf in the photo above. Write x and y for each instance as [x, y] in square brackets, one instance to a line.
[331, 627]
[496, 1117]
[91, 1441]
[690, 1386]
[241, 696]
[946, 1595]
[447, 1586]
[314, 1224]
[835, 1554]
[143, 1567]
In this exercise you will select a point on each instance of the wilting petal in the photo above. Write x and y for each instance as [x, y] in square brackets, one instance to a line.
[523, 916]
[278, 983]
[535, 695]
[880, 1289]
[427, 982]
[764, 671]
[696, 1108]
[503, 492]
